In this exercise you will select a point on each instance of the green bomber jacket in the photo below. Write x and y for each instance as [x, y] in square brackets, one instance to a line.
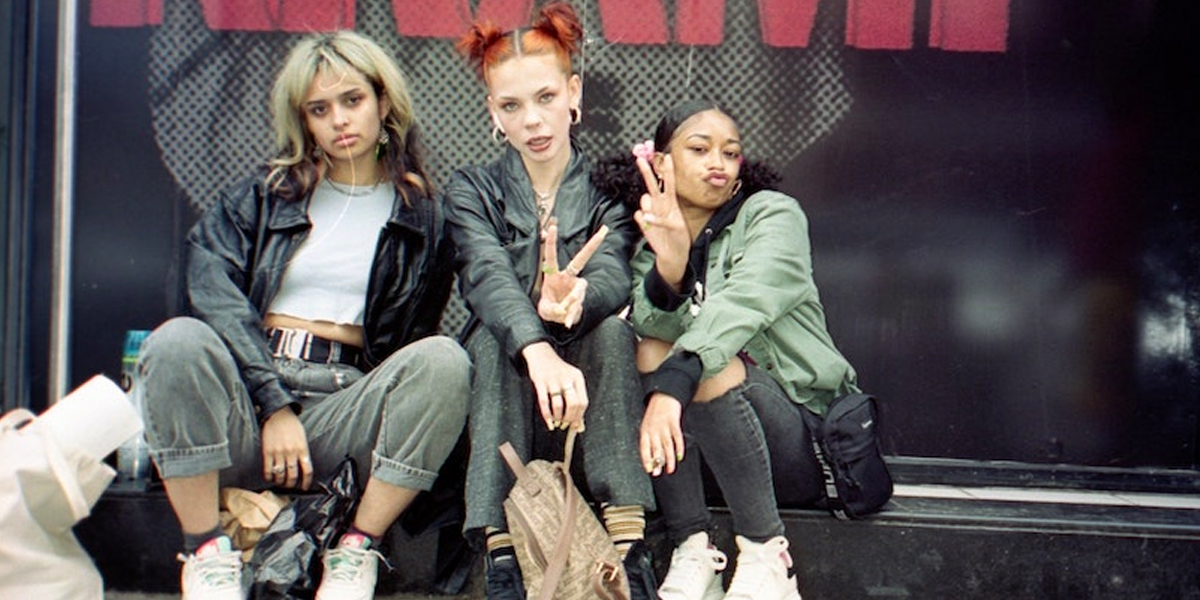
[758, 299]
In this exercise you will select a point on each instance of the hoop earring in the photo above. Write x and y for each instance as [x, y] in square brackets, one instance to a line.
[576, 115]
[499, 136]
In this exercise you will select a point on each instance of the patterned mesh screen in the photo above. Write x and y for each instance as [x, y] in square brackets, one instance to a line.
[208, 92]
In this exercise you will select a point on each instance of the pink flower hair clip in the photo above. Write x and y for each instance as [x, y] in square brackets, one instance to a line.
[644, 150]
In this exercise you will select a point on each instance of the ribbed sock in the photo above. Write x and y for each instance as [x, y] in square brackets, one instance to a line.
[499, 543]
[193, 541]
[625, 524]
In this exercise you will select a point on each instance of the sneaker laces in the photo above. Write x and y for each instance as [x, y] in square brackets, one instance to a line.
[350, 564]
[694, 564]
[214, 571]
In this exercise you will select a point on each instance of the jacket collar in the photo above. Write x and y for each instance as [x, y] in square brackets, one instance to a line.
[723, 217]
[411, 218]
[571, 206]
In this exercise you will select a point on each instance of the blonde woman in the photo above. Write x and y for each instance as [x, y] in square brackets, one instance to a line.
[315, 288]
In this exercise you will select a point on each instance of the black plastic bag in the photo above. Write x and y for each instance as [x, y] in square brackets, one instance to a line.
[286, 563]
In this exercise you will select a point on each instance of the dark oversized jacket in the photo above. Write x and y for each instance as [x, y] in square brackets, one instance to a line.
[493, 221]
[238, 251]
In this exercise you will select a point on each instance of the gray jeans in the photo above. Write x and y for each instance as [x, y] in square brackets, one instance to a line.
[754, 441]
[399, 421]
[503, 409]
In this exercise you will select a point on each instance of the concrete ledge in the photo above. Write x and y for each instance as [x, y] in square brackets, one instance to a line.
[1003, 539]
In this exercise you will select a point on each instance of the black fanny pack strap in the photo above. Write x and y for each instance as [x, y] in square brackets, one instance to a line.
[832, 499]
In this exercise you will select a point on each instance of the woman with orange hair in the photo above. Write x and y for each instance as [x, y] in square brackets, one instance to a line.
[548, 349]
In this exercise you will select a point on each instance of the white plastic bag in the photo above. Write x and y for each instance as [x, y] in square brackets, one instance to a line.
[47, 485]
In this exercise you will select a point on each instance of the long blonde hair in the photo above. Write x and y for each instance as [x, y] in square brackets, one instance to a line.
[295, 169]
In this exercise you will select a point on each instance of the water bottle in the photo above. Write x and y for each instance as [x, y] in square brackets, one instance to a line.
[133, 456]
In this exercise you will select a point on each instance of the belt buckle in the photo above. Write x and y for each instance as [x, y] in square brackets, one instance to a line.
[294, 343]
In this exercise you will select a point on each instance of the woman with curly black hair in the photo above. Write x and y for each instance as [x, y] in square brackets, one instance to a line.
[733, 347]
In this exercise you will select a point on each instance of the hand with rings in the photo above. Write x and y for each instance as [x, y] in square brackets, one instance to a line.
[283, 466]
[561, 394]
[562, 293]
[662, 221]
[661, 439]
[286, 458]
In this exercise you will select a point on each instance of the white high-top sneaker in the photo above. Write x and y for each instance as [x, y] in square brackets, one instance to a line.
[763, 571]
[695, 572]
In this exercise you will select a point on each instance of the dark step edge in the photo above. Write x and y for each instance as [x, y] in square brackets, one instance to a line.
[980, 473]
[1023, 516]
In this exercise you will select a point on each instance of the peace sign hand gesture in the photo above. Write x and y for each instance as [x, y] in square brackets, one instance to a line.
[561, 299]
[662, 221]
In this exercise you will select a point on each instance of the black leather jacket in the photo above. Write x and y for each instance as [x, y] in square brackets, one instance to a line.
[494, 224]
[237, 253]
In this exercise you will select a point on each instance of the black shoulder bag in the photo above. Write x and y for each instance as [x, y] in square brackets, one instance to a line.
[846, 443]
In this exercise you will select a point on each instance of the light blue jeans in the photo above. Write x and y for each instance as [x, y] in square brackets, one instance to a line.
[399, 421]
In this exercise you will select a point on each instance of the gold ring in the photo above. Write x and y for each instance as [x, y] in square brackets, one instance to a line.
[658, 461]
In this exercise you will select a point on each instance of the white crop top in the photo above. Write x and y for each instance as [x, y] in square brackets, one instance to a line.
[327, 277]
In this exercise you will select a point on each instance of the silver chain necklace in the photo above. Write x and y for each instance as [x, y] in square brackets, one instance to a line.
[543, 208]
[354, 190]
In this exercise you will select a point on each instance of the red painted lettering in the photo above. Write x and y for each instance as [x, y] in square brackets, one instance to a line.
[125, 13]
[451, 18]
[279, 15]
[699, 22]
[969, 25]
[957, 25]
[634, 21]
[787, 23]
[880, 24]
